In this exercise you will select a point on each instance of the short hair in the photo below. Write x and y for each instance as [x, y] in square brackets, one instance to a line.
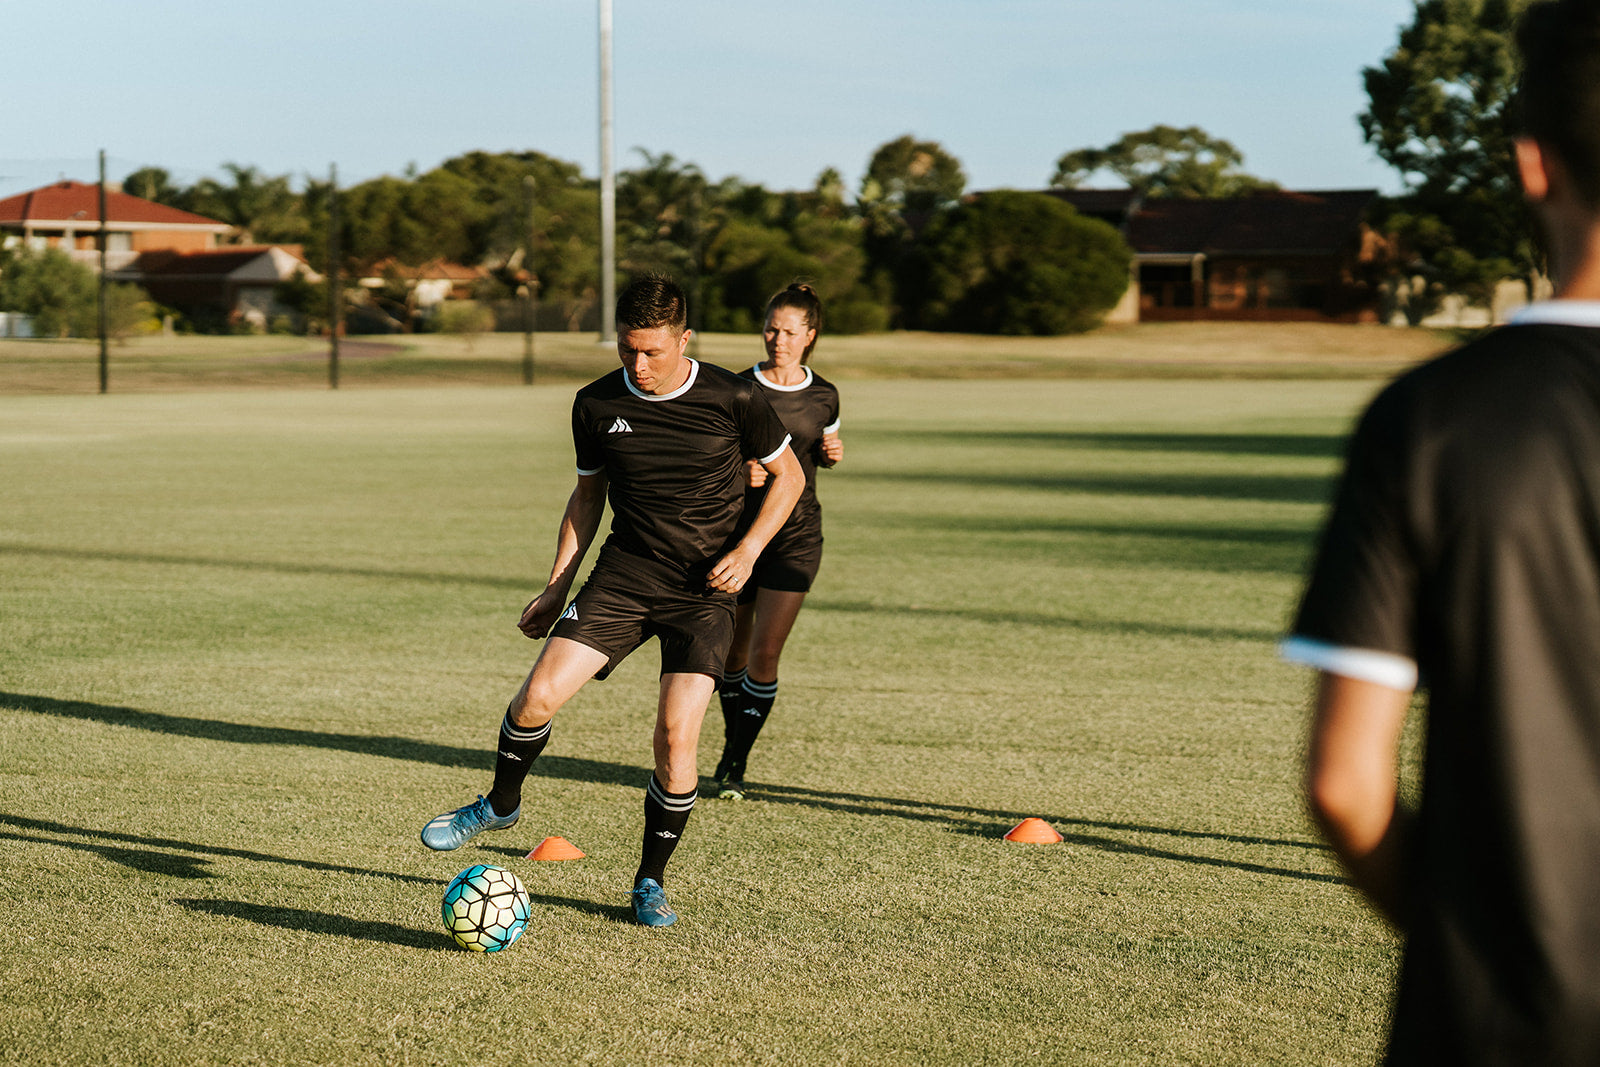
[801, 296]
[652, 301]
[1558, 91]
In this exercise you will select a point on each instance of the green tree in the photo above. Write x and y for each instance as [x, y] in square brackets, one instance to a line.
[263, 208]
[1163, 161]
[1018, 263]
[465, 319]
[57, 292]
[155, 184]
[911, 175]
[1436, 113]
[129, 311]
[659, 216]
[558, 238]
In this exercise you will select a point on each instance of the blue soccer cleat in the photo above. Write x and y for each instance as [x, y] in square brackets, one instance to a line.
[455, 828]
[650, 904]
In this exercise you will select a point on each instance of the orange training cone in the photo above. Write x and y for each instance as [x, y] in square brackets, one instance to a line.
[556, 848]
[1032, 831]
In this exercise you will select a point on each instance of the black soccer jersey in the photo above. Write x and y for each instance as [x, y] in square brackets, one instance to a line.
[809, 410]
[674, 463]
[1465, 539]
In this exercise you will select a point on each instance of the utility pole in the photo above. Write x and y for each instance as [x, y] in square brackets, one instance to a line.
[530, 306]
[105, 352]
[335, 307]
[608, 187]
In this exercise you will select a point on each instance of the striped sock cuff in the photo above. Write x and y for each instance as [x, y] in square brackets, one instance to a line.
[670, 801]
[760, 690]
[522, 735]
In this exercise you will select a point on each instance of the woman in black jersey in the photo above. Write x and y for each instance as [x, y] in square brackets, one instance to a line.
[770, 601]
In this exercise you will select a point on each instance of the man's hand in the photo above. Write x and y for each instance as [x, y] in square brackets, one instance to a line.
[541, 614]
[832, 449]
[755, 475]
[732, 571]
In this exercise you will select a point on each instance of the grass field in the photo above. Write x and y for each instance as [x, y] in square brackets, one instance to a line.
[252, 639]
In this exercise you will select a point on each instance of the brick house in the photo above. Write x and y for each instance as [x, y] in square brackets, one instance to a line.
[1270, 256]
[235, 285]
[66, 216]
[176, 256]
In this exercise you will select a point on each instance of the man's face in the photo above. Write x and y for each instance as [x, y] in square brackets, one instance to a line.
[654, 358]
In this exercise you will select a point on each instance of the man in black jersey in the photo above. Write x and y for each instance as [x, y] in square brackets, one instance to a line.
[665, 439]
[1464, 549]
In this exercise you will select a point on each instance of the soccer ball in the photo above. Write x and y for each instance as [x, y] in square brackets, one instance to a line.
[485, 908]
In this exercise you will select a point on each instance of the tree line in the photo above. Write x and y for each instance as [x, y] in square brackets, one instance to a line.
[907, 249]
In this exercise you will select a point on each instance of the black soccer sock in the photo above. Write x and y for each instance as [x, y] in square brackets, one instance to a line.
[665, 816]
[515, 752]
[750, 715]
[728, 694]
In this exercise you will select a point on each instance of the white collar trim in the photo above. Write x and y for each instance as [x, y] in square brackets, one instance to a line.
[694, 371]
[1559, 313]
[762, 378]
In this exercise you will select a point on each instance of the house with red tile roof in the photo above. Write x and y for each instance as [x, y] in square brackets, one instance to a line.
[403, 297]
[176, 256]
[234, 285]
[66, 216]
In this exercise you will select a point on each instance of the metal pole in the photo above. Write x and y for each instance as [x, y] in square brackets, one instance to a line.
[334, 303]
[105, 354]
[530, 307]
[608, 187]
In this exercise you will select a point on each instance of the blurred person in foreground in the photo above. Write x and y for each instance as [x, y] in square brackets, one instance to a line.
[1463, 548]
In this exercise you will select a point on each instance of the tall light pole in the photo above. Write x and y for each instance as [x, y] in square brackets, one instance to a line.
[102, 240]
[608, 187]
[335, 297]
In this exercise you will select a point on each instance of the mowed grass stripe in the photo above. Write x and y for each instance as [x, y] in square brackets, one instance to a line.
[252, 641]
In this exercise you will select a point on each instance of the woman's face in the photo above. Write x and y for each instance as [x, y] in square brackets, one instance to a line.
[787, 335]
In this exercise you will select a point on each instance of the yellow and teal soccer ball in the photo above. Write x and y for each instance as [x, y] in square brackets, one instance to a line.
[485, 908]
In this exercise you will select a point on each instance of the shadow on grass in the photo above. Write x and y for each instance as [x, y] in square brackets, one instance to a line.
[326, 924]
[400, 748]
[322, 923]
[1133, 628]
[1268, 488]
[975, 822]
[140, 859]
[1324, 446]
[991, 824]
[97, 555]
[156, 854]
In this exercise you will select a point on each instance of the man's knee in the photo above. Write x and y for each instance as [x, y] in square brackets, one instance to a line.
[533, 706]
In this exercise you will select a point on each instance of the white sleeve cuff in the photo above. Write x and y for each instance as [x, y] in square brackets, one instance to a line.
[1379, 668]
[776, 452]
[832, 427]
[584, 474]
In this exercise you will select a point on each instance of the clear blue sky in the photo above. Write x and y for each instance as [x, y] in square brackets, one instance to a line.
[771, 92]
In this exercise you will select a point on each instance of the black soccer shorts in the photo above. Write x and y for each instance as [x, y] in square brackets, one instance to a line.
[628, 599]
[788, 564]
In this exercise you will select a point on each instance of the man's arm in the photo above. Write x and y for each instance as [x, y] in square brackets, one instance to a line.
[585, 508]
[785, 482]
[1351, 784]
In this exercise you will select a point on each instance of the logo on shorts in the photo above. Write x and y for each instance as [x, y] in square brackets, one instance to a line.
[665, 833]
[570, 613]
[620, 426]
